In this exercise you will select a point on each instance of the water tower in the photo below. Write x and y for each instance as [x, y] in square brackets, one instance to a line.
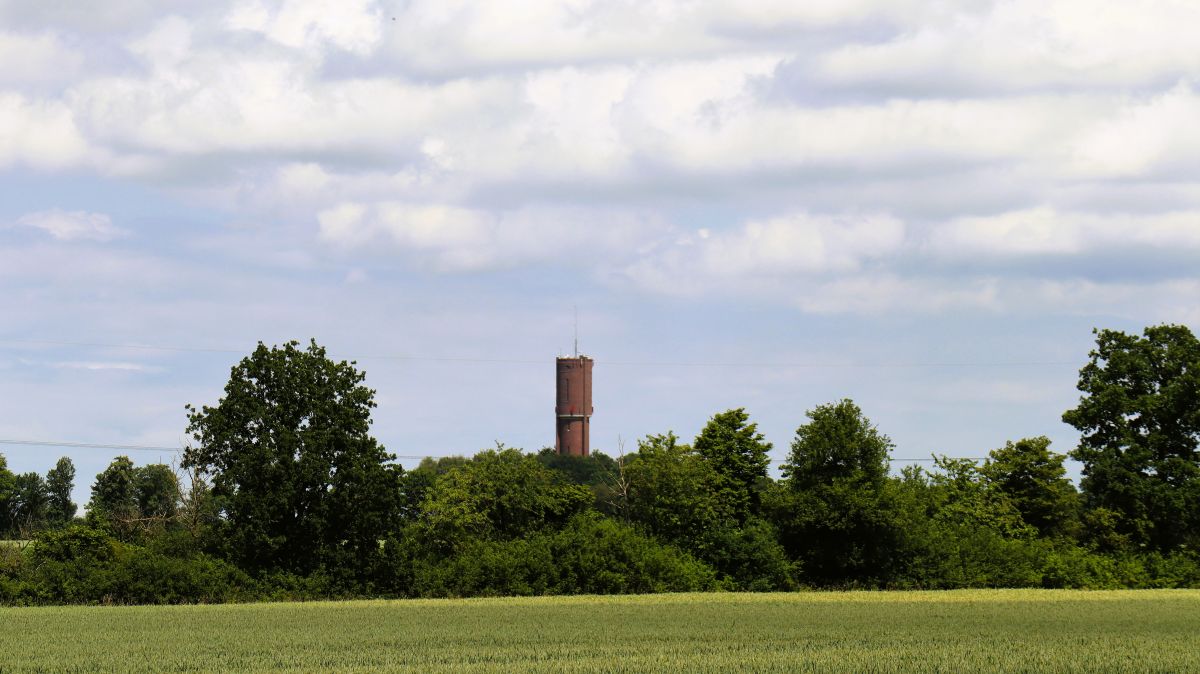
[573, 411]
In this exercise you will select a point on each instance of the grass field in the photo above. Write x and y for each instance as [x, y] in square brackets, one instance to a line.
[1011, 631]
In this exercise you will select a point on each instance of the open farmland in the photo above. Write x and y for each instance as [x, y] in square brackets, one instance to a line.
[885, 632]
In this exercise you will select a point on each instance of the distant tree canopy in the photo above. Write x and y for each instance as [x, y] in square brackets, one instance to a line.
[8, 484]
[1034, 479]
[1140, 422]
[291, 497]
[501, 494]
[834, 513]
[60, 482]
[738, 453]
[299, 482]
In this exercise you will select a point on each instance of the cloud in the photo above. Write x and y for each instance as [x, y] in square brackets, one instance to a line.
[351, 25]
[35, 59]
[97, 366]
[41, 134]
[768, 253]
[448, 238]
[1047, 231]
[73, 225]
[1022, 45]
[1146, 137]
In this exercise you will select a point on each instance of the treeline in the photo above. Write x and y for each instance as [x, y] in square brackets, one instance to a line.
[285, 494]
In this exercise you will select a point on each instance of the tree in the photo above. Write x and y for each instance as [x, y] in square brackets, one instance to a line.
[1034, 481]
[836, 515]
[7, 485]
[27, 507]
[156, 490]
[60, 482]
[1139, 416]
[675, 494]
[500, 494]
[114, 496]
[838, 443]
[738, 453]
[298, 480]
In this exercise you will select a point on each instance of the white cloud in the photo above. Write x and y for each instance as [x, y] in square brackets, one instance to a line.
[31, 59]
[1021, 44]
[890, 293]
[457, 35]
[767, 255]
[106, 365]
[39, 134]
[1148, 136]
[167, 45]
[349, 25]
[1046, 231]
[73, 225]
[453, 239]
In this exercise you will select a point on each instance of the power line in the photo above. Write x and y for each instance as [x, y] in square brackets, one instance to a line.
[103, 445]
[533, 361]
[176, 450]
[89, 445]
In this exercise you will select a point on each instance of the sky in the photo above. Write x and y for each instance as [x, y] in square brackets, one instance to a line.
[926, 207]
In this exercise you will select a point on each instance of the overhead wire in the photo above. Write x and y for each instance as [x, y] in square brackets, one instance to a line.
[177, 450]
[543, 361]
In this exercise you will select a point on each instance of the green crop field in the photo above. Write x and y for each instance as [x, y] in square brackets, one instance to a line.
[1011, 631]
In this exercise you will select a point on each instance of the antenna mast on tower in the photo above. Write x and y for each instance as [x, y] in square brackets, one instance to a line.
[575, 307]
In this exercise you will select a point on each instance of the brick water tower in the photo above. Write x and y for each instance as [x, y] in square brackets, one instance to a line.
[573, 411]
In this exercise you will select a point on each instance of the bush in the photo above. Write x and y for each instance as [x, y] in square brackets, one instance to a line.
[592, 554]
[83, 565]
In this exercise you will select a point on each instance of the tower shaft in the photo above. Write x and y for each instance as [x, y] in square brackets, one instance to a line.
[573, 410]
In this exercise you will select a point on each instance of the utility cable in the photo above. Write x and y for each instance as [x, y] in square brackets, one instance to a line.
[176, 450]
[543, 361]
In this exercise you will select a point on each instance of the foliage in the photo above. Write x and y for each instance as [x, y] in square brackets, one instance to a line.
[415, 483]
[1033, 479]
[676, 495]
[82, 564]
[288, 496]
[592, 554]
[738, 453]
[590, 471]
[156, 491]
[501, 494]
[134, 502]
[835, 514]
[837, 444]
[7, 487]
[28, 502]
[1140, 422]
[298, 480]
[60, 482]
[114, 495]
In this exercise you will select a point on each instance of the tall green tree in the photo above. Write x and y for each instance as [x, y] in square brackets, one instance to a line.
[837, 443]
[835, 515]
[7, 485]
[114, 495]
[299, 481]
[1139, 417]
[738, 453]
[675, 494]
[1034, 480]
[60, 482]
[27, 507]
[156, 490]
